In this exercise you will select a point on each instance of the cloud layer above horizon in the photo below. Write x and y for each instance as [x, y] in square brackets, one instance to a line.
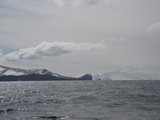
[54, 49]
[74, 31]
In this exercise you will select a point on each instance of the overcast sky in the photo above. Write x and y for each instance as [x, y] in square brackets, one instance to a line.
[74, 37]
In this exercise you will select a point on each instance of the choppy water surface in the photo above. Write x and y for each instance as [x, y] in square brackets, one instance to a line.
[80, 100]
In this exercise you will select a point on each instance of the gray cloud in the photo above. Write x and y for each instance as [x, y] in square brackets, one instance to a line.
[54, 49]
[117, 39]
[83, 2]
[154, 27]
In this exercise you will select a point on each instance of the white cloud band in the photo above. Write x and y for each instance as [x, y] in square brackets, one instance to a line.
[46, 49]
[82, 2]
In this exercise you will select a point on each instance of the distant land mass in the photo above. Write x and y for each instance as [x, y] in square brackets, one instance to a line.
[128, 73]
[18, 74]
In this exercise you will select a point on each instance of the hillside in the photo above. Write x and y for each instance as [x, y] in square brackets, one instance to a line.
[18, 74]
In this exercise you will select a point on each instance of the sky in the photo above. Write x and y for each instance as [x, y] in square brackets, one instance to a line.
[75, 37]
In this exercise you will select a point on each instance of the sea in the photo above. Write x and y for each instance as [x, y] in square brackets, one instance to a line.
[80, 100]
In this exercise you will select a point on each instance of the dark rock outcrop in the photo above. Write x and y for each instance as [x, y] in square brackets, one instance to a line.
[86, 77]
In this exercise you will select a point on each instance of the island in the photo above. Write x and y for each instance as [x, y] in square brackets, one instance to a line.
[18, 74]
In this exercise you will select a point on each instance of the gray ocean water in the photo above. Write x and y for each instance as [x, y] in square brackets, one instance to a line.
[80, 100]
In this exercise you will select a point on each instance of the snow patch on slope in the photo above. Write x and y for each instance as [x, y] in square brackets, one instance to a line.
[1, 68]
[17, 72]
[12, 72]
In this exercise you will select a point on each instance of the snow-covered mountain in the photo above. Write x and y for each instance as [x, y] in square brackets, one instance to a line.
[9, 74]
[127, 73]
[17, 71]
